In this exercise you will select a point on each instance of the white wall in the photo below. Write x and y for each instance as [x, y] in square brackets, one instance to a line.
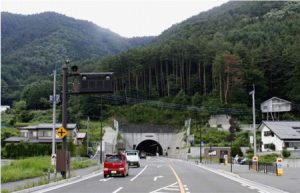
[269, 139]
[163, 139]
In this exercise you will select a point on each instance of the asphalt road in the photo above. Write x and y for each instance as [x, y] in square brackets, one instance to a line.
[163, 175]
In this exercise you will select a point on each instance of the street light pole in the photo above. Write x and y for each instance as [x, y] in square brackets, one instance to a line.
[53, 113]
[253, 112]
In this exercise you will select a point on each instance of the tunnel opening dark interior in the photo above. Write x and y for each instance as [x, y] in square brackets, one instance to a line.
[151, 147]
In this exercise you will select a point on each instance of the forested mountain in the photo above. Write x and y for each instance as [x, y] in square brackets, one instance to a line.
[211, 59]
[218, 55]
[32, 45]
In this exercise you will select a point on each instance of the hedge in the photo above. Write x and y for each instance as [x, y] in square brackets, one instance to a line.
[25, 149]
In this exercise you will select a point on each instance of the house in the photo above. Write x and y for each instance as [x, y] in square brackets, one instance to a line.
[4, 108]
[42, 133]
[273, 106]
[283, 134]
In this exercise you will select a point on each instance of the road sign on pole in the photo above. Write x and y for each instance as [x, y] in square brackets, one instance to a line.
[61, 132]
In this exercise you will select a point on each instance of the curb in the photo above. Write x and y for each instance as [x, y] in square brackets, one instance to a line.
[229, 173]
[36, 188]
[52, 184]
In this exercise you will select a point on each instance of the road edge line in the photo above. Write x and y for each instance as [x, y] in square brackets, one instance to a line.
[181, 187]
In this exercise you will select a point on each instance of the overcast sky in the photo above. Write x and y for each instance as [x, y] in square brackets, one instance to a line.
[128, 18]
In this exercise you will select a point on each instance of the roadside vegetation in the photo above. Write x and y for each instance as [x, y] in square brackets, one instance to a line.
[34, 167]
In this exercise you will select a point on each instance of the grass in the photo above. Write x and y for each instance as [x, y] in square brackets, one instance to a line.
[33, 167]
[25, 168]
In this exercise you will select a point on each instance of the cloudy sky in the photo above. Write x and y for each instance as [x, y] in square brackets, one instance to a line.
[128, 18]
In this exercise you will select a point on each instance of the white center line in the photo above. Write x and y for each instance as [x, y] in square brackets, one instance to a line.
[139, 173]
[117, 190]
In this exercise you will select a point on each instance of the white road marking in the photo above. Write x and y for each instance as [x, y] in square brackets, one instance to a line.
[105, 179]
[117, 190]
[139, 173]
[156, 177]
[168, 187]
[243, 181]
[68, 183]
[172, 189]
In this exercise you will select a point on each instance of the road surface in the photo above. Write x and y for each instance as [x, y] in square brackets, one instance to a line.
[163, 175]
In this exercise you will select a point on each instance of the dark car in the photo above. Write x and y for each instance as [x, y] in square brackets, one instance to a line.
[115, 164]
[143, 155]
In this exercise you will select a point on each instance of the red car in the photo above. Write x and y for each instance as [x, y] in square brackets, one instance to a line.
[115, 165]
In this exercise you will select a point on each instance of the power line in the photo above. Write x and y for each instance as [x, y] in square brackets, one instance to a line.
[160, 104]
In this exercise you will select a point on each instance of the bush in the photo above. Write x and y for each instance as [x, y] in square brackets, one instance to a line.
[270, 158]
[24, 149]
[236, 150]
[285, 153]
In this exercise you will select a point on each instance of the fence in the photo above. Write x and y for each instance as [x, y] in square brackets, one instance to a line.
[263, 167]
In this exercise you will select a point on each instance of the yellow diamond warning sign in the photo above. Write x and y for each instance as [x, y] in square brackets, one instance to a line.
[61, 132]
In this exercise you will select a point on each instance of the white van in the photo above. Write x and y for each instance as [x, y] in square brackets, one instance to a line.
[133, 157]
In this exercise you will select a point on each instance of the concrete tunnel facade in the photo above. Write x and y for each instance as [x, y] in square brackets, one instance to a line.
[148, 142]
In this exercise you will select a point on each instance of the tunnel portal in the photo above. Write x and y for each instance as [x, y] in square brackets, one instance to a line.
[151, 147]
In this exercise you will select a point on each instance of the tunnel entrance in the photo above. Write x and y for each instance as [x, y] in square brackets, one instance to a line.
[151, 147]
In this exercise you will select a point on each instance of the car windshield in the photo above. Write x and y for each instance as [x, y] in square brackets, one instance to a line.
[113, 158]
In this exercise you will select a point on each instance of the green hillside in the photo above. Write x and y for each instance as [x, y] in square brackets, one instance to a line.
[211, 59]
[32, 45]
[218, 55]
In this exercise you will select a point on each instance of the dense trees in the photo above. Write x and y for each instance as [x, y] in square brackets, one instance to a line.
[33, 45]
[220, 53]
[211, 59]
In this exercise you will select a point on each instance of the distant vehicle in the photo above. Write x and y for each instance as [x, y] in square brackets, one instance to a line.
[115, 164]
[242, 161]
[133, 157]
[143, 155]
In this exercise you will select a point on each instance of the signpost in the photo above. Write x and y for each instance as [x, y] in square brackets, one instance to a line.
[279, 167]
[255, 163]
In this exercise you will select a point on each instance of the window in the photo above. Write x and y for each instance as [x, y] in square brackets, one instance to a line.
[24, 134]
[44, 133]
[268, 133]
[40, 133]
[270, 146]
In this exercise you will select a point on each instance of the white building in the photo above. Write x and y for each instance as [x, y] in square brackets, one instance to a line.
[273, 106]
[4, 108]
[281, 134]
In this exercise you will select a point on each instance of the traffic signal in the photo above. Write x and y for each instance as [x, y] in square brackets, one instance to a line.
[96, 82]
[85, 83]
[232, 130]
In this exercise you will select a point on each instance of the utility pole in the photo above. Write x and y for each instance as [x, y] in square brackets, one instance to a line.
[101, 132]
[200, 142]
[64, 114]
[253, 112]
[87, 135]
[53, 113]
